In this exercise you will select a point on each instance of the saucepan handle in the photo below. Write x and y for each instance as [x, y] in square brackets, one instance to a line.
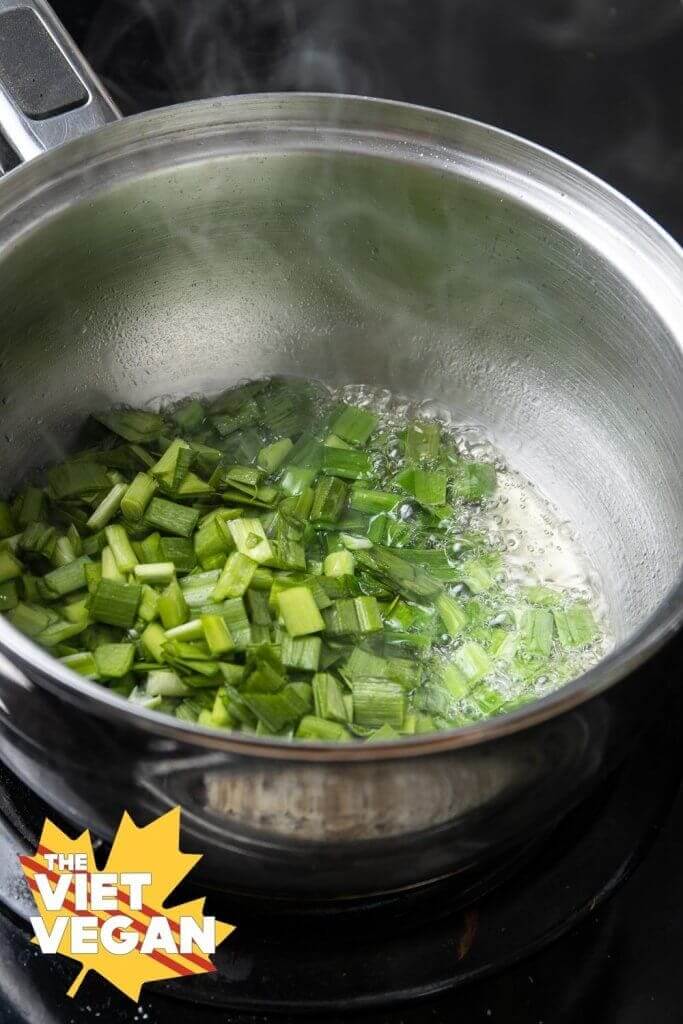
[49, 94]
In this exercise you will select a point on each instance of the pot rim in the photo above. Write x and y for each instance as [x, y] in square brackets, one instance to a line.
[113, 139]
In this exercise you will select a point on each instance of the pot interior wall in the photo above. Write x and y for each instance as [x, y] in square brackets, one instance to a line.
[357, 267]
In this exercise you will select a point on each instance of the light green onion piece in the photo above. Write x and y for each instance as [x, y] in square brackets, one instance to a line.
[236, 577]
[300, 612]
[155, 572]
[250, 539]
[313, 728]
[217, 634]
[329, 698]
[378, 701]
[339, 563]
[107, 508]
[138, 496]
[114, 661]
[166, 683]
[82, 662]
[172, 606]
[119, 544]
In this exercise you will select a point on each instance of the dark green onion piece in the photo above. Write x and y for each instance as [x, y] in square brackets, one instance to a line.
[116, 603]
[169, 517]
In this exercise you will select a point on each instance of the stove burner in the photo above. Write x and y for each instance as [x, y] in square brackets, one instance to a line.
[417, 944]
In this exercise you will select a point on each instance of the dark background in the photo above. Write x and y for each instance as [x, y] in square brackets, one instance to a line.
[599, 81]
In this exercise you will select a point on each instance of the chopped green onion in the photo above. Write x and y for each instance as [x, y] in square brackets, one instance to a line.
[218, 637]
[155, 572]
[107, 508]
[114, 661]
[328, 502]
[576, 626]
[250, 539]
[313, 728]
[169, 517]
[116, 603]
[329, 698]
[172, 606]
[339, 563]
[119, 545]
[353, 424]
[377, 702]
[348, 464]
[138, 496]
[236, 577]
[300, 612]
[67, 578]
[302, 654]
[272, 456]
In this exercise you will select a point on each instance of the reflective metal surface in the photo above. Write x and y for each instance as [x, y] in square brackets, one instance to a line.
[31, 135]
[354, 241]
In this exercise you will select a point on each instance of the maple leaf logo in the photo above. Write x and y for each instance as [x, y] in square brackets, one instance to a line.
[138, 939]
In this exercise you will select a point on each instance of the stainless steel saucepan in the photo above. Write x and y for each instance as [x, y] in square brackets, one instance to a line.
[352, 240]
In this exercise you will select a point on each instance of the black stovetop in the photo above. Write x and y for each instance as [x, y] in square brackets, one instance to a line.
[596, 80]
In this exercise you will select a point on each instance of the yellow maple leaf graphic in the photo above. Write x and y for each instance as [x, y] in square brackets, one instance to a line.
[153, 850]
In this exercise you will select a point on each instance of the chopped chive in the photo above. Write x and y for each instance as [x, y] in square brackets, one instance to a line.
[191, 630]
[30, 506]
[133, 424]
[148, 608]
[150, 549]
[110, 570]
[473, 661]
[429, 488]
[173, 466]
[473, 481]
